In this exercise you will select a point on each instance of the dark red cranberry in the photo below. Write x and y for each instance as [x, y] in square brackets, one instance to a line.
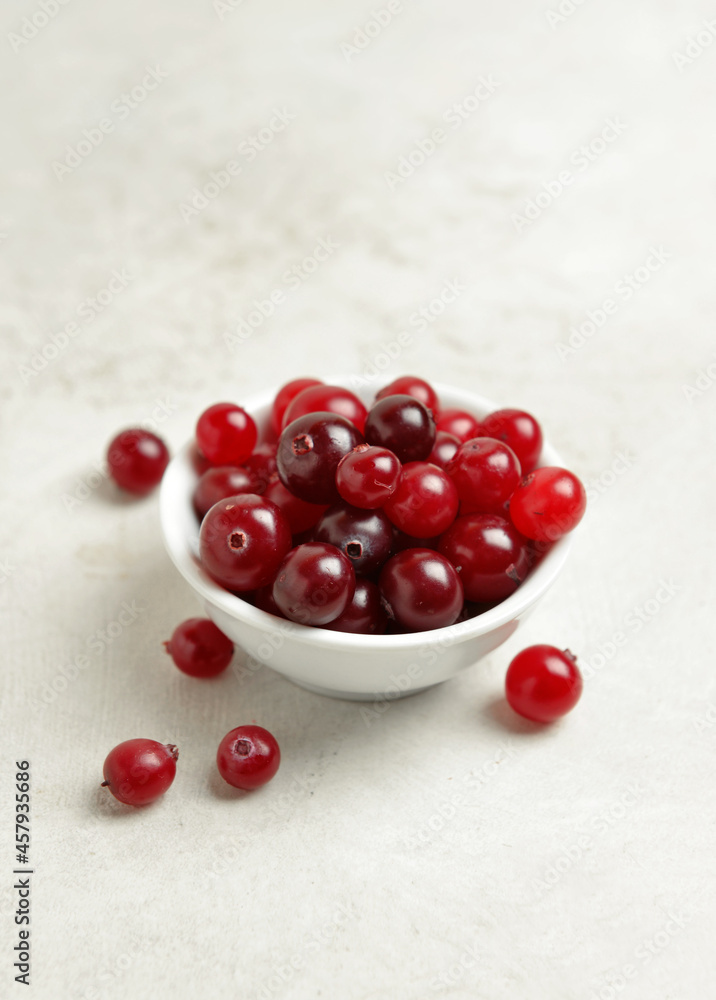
[368, 476]
[327, 399]
[309, 451]
[520, 431]
[402, 424]
[490, 556]
[411, 385]
[365, 615]
[137, 460]
[314, 584]
[421, 589]
[263, 600]
[444, 449]
[401, 541]
[425, 503]
[459, 423]
[220, 482]
[262, 464]
[243, 540]
[486, 472]
[364, 536]
[285, 395]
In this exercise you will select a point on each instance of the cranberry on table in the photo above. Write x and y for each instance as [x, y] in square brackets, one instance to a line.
[220, 482]
[548, 503]
[363, 536]
[285, 396]
[139, 771]
[543, 683]
[403, 425]
[199, 648]
[242, 541]
[314, 584]
[137, 460]
[520, 431]
[248, 757]
[368, 476]
[421, 589]
[444, 449]
[226, 434]
[490, 556]
[365, 615]
[300, 515]
[309, 451]
[485, 473]
[327, 399]
[411, 385]
[459, 423]
[426, 501]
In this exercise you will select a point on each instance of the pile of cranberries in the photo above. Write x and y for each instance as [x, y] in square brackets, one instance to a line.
[402, 518]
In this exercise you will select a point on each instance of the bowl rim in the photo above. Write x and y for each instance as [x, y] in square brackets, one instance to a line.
[173, 497]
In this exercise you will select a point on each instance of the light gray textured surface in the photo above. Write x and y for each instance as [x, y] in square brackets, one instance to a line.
[390, 859]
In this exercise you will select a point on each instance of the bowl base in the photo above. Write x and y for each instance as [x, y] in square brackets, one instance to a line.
[358, 695]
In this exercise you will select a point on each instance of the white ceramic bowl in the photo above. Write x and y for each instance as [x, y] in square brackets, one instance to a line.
[339, 664]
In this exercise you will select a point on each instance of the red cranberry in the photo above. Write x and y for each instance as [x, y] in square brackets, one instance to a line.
[363, 536]
[284, 397]
[314, 584]
[485, 473]
[327, 399]
[248, 757]
[411, 385]
[243, 540]
[459, 423]
[520, 431]
[421, 589]
[263, 600]
[365, 615]
[547, 504]
[137, 460]
[543, 683]
[139, 771]
[444, 449]
[403, 425]
[220, 482]
[309, 451]
[262, 465]
[199, 648]
[300, 515]
[425, 503]
[490, 556]
[226, 434]
[368, 476]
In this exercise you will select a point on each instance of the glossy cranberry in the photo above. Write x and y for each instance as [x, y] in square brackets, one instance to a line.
[520, 431]
[262, 464]
[411, 385]
[425, 503]
[220, 482]
[314, 584]
[285, 396]
[403, 425]
[543, 683]
[309, 451]
[365, 615]
[548, 503]
[490, 556]
[248, 757]
[327, 399]
[199, 648]
[444, 449]
[300, 515]
[243, 540]
[226, 434]
[363, 536]
[459, 423]
[139, 771]
[137, 460]
[368, 476]
[421, 589]
[485, 473]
